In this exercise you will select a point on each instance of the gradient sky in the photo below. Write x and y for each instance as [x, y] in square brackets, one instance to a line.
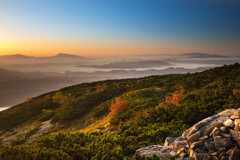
[117, 27]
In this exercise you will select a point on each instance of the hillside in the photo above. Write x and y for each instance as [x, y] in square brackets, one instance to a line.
[114, 118]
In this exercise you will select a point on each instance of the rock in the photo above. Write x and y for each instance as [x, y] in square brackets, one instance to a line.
[215, 158]
[198, 126]
[213, 154]
[197, 144]
[214, 130]
[198, 156]
[181, 156]
[237, 124]
[203, 122]
[172, 153]
[169, 140]
[179, 143]
[229, 123]
[203, 138]
[234, 117]
[166, 150]
[221, 150]
[194, 137]
[235, 134]
[224, 129]
[234, 155]
[237, 113]
[181, 150]
[215, 123]
[224, 158]
[201, 156]
[192, 153]
[220, 142]
[218, 135]
[226, 135]
[227, 112]
[210, 145]
[207, 158]
[189, 158]
[162, 156]
[149, 149]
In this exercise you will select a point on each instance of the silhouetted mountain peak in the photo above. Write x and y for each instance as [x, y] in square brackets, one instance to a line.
[65, 55]
[202, 55]
[16, 56]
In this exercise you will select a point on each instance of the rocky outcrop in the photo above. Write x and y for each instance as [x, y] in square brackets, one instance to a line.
[214, 138]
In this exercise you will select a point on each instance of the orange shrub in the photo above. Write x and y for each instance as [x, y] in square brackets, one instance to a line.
[100, 87]
[175, 99]
[236, 91]
[118, 106]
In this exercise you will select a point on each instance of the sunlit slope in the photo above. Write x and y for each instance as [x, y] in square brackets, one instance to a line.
[81, 105]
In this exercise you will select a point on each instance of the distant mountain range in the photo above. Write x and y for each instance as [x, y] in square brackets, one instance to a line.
[58, 56]
[130, 64]
[71, 56]
[202, 55]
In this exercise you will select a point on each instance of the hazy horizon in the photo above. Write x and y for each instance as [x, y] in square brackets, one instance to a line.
[110, 39]
[24, 77]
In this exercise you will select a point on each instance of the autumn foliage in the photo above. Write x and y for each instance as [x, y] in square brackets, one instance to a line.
[99, 87]
[118, 106]
[174, 99]
[236, 92]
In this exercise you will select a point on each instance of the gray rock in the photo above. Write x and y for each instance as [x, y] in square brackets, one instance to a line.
[220, 142]
[224, 129]
[234, 117]
[172, 153]
[182, 156]
[194, 137]
[235, 154]
[197, 144]
[237, 124]
[198, 156]
[227, 112]
[221, 150]
[152, 148]
[229, 123]
[181, 150]
[215, 132]
[191, 152]
[166, 150]
[210, 145]
[201, 156]
[203, 138]
[226, 135]
[150, 154]
[179, 144]
[215, 158]
[235, 134]
[189, 158]
[169, 140]
[218, 122]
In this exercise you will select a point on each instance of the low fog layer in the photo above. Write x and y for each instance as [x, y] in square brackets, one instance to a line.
[22, 77]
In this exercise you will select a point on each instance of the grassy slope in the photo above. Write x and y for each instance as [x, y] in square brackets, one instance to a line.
[94, 98]
[142, 122]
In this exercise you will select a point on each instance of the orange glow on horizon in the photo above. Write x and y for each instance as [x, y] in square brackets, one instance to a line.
[94, 49]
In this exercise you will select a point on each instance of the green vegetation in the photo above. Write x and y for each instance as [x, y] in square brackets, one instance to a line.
[152, 108]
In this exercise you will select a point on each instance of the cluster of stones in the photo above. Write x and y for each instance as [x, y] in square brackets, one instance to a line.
[214, 138]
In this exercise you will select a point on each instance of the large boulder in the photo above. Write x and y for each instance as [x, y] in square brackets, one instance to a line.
[214, 138]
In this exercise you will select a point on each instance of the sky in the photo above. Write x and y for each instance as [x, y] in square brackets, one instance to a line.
[119, 27]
